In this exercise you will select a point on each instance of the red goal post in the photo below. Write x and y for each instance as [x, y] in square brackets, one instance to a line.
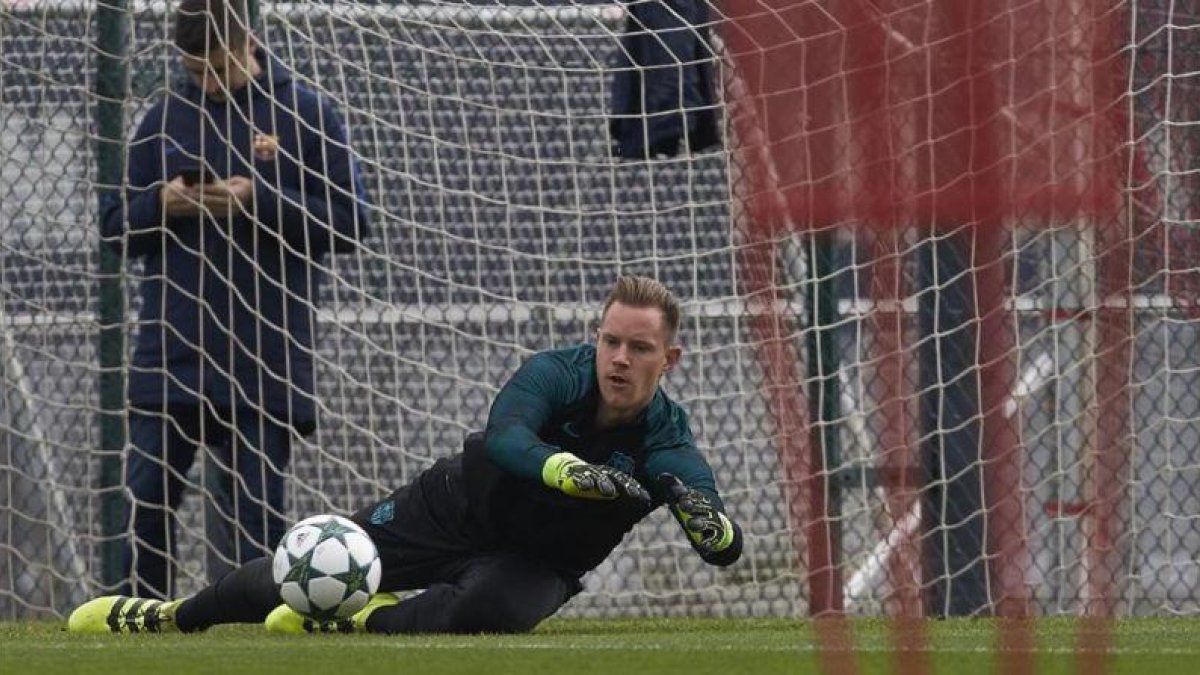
[887, 117]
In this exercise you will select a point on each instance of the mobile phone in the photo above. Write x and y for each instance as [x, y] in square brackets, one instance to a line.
[194, 173]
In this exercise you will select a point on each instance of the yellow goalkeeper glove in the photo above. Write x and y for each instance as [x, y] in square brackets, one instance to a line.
[575, 477]
[709, 530]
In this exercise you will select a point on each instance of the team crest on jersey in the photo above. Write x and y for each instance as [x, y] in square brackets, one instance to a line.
[621, 462]
[383, 513]
[569, 429]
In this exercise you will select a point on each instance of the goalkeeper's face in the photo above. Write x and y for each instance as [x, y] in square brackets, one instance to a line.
[633, 350]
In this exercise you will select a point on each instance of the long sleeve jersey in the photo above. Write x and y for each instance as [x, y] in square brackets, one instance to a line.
[548, 406]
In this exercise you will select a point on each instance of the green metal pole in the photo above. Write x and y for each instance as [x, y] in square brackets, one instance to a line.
[825, 493]
[112, 89]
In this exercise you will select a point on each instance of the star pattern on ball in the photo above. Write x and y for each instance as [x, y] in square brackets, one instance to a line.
[336, 573]
[334, 530]
[301, 570]
[354, 578]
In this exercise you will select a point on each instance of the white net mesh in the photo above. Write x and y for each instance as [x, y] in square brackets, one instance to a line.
[501, 218]
[500, 222]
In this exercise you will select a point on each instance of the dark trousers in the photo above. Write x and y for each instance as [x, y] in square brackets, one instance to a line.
[247, 451]
[426, 539]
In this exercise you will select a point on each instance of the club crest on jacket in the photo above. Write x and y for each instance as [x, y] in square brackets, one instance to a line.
[266, 147]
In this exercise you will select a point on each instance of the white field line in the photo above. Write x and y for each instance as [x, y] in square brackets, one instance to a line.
[804, 648]
[807, 648]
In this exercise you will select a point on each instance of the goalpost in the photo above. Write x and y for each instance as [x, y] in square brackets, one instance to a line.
[865, 363]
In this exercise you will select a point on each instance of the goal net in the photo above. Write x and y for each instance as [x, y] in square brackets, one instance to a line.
[876, 337]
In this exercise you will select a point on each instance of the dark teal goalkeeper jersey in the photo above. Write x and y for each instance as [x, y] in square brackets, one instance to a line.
[549, 406]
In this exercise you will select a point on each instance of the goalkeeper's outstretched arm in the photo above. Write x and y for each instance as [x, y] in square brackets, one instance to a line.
[523, 406]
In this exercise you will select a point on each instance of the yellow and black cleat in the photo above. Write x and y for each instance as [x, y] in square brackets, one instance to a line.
[284, 619]
[123, 614]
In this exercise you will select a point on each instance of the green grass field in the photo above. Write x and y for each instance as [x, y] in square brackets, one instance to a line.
[1162, 646]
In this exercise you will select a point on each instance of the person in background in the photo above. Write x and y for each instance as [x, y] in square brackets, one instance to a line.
[240, 180]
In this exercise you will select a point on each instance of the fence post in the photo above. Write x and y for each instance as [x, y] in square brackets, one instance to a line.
[112, 90]
[824, 489]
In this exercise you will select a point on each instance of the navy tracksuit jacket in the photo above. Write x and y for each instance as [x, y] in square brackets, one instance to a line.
[227, 306]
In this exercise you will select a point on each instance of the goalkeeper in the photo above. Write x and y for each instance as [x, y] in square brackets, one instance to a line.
[580, 445]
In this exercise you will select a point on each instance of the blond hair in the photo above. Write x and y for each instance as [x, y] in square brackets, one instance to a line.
[635, 291]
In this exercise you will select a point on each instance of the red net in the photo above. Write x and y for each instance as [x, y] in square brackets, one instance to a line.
[894, 112]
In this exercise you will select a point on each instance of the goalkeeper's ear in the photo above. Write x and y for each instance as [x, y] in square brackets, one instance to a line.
[673, 353]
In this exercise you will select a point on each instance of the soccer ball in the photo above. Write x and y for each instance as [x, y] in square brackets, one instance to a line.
[326, 568]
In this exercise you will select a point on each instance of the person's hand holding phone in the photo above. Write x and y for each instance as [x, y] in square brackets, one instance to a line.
[179, 198]
[227, 198]
[195, 190]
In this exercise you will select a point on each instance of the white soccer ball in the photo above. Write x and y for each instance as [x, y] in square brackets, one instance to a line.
[326, 568]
